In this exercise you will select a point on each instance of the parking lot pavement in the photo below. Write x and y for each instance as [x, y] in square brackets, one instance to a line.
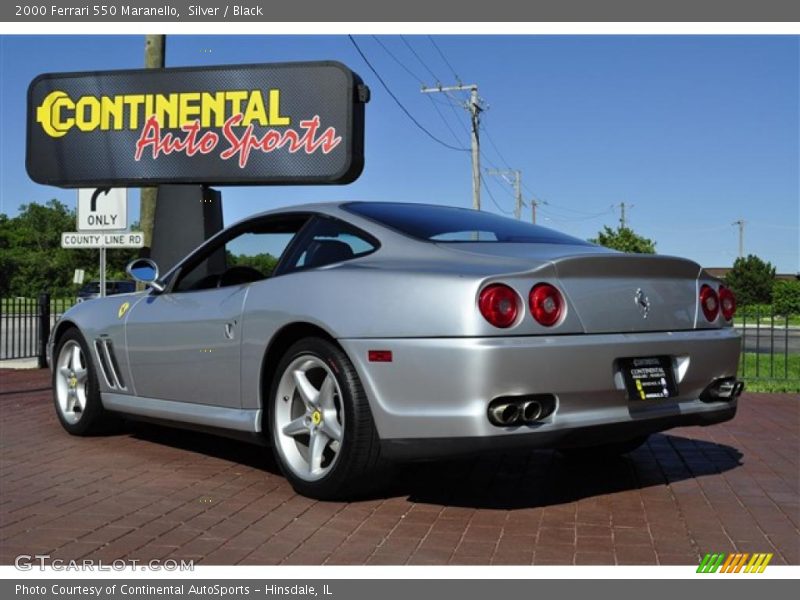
[156, 493]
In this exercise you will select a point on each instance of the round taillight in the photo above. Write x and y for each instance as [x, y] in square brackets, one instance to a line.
[709, 302]
[727, 303]
[498, 304]
[547, 304]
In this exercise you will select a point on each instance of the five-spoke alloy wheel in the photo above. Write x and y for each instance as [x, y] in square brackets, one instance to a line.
[76, 393]
[309, 417]
[71, 382]
[322, 431]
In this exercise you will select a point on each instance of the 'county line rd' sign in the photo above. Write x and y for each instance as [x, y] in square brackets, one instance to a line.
[278, 123]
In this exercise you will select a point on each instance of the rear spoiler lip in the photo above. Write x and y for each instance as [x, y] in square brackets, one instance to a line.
[644, 266]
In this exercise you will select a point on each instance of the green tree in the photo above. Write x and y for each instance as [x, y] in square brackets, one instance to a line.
[32, 260]
[264, 262]
[786, 297]
[751, 279]
[624, 239]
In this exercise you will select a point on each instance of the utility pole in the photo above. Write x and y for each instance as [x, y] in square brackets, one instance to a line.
[740, 223]
[514, 177]
[154, 51]
[474, 108]
[534, 204]
[623, 222]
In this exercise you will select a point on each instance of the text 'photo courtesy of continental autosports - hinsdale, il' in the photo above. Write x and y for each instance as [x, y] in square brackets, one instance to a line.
[348, 336]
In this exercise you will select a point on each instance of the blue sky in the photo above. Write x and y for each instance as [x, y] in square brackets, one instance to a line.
[694, 131]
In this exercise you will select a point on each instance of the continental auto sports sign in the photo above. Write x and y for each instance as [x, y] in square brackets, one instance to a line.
[235, 125]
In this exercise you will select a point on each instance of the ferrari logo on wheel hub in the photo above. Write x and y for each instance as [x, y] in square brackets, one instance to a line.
[316, 417]
[73, 382]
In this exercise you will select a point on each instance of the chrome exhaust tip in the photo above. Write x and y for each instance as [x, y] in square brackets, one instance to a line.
[531, 411]
[727, 388]
[504, 413]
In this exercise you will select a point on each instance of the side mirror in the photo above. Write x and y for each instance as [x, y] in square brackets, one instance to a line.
[145, 271]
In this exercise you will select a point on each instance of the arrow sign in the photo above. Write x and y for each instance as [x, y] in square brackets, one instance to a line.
[96, 193]
[102, 209]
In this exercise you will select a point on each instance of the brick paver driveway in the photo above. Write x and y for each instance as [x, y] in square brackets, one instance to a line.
[159, 493]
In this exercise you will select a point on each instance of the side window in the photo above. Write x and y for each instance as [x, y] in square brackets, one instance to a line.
[251, 255]
[330, 241]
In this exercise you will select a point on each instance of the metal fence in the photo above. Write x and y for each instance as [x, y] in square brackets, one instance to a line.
[25, 325]
[770, 345]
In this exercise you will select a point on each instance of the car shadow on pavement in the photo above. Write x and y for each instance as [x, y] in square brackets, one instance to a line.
[546, 477]
[502, 481]
[233, 450]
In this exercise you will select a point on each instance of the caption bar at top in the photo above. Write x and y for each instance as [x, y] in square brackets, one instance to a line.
[714, 11]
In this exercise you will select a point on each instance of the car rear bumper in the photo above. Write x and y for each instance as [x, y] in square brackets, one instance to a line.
[589, 435]
[432, 398]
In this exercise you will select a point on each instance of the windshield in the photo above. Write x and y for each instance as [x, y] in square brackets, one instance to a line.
[448, 224]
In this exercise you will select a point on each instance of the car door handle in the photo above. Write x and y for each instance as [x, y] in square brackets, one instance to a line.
[229, 328]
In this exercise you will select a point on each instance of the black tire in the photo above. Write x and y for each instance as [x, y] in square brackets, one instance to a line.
[92, 419]
[603, 451]
[358, 456]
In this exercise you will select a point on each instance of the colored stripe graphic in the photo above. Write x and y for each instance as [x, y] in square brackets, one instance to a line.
[701, 568]
[758, 563]
[741, 562]
[728, 565]
[718, 563]
[711, 563]
[734, 563]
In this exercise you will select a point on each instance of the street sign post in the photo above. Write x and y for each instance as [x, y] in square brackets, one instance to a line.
[102, 210]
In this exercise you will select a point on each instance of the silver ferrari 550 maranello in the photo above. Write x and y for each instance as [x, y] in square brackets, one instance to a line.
[349, 334]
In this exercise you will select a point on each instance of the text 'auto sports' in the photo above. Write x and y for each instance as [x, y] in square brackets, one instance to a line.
[349, 334]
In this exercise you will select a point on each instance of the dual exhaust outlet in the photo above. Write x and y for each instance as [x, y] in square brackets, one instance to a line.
[726, 388]
[508, 411]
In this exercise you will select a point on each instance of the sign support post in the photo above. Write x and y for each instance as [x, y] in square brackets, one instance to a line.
[103, 272]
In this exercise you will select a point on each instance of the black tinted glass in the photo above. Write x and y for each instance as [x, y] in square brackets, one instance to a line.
[448, 224]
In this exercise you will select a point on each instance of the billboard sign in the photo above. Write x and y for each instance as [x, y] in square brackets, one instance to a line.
[284, 123]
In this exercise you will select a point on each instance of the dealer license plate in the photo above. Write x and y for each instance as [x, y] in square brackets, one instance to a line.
[648, 378]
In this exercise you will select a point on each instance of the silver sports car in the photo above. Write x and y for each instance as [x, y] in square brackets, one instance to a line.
[349, 334]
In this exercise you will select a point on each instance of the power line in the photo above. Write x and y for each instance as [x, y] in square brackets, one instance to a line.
[494, 200]
[397, 60]
[422, 62]
[513, 177]
[582, 215]
[408, 70]
[453, 104]
[496, 149]
[441, 116]
[400, 104]
[444, 58]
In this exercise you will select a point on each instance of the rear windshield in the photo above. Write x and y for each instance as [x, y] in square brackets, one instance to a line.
[448, 224]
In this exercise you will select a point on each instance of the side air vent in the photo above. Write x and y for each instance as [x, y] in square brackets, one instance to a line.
[99, 348]
[112, 359]
[107, 360]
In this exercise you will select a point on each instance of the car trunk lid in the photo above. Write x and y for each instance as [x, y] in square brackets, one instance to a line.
[617, 293]
[610, 292]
